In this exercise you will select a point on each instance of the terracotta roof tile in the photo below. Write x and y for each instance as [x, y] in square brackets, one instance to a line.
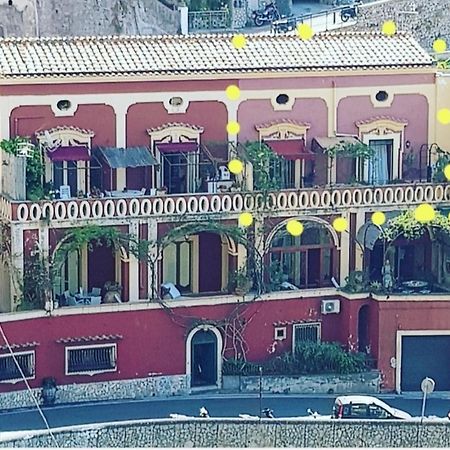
[205, 54]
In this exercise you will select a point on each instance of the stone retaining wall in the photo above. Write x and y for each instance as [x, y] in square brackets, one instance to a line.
[367, 382]
[425, 19]
[243, 433]
[108, 390]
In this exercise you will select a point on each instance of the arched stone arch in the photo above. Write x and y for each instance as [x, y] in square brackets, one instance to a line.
[190, 358]
[323, 222]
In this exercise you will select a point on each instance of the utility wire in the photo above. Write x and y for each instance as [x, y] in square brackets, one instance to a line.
[28, 386]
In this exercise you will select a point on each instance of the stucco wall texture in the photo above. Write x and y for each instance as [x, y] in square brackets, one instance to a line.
[247, 433]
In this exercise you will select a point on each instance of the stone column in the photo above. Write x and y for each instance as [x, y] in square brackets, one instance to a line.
[16, 269]
[133, 266]
[121, 141]
[345, 252]
[152, 236]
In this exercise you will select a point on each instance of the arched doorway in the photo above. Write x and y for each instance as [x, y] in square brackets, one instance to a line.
[363, 329]
[204, 356]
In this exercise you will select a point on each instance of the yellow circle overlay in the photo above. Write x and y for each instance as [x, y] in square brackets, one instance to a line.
[233, 127]
[304, 31]
[447, 171]
[294, 227]
[424, 213]
[389, 28]
[239, 41]
[235, 166]
[245, 219]
[443, 116]
[378, 218]
[340, 224]
[439, 46]
[233, 92]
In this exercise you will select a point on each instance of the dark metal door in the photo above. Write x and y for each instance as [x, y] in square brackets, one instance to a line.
[425, 356]
[204, 359]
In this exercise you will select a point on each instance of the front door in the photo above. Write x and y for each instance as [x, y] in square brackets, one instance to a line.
[204, 359]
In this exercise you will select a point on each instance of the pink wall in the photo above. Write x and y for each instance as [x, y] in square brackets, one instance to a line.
[413, 108]
[255, 112]
[150, 335]
[26, 120]
[210, 115]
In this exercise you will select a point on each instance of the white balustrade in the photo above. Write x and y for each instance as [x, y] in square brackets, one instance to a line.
[342, 197]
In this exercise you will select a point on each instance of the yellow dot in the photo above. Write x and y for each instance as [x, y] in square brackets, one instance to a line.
[443, 116]
[245, 219]
[389, 28]
[235, 166]
[294, 227]
[233, 127]
[239, 41]
[378, 218]
[424, 213]
[233, 92]
[447, 171]
[439, 46]
[304, 31]
[340, 224]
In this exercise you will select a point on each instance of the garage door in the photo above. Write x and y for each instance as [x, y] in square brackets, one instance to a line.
[425, 356]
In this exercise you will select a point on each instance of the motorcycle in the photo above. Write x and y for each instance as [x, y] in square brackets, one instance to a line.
[349, 12]
[266, 15]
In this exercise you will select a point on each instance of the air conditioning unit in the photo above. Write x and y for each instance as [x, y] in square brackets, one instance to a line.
[331, 306]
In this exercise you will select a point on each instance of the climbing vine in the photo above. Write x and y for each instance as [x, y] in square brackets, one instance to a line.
[350, 150]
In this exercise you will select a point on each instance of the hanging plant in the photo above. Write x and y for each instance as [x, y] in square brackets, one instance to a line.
[263, 160]
[345, 149]
[407, 226]
[438, 169]
[34, 165]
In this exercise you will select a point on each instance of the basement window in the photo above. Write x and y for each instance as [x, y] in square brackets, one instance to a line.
[9, 372]
[89, 359]
[306, 332]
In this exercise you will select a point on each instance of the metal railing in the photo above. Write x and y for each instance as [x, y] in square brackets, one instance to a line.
[209, 20]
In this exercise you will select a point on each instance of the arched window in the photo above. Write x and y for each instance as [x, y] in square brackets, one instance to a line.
[308, 260]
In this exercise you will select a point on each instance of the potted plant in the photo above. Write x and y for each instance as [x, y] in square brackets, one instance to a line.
[240, 283]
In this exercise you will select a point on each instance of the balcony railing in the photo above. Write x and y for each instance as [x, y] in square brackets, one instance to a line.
[313, 200]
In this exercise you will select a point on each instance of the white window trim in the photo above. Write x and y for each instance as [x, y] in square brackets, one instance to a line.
[85, 347]
[283, 335]
[33, 361]
[284, 106]
[383, 104]
[396, 153]
[304, 325]
[176, 109]
[70, 112]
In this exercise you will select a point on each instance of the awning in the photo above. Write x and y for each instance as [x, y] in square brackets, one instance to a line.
[177, 147]
[118, 157]
[70, 153]
[290, 149]
[328, 142]
[369, 233]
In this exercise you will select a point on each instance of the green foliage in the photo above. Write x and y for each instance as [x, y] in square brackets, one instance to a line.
[34, 165]
[407, 226]
[207, 5]
[276, 276]
[356, 281]
[350, 150]
[442, 160]
[263, 159]
[309, 358]
[239, 281]
[36, 284]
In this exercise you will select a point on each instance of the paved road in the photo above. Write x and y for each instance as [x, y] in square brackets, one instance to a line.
[218, 406]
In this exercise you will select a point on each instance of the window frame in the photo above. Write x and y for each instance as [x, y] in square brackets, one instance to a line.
[32, 355]
[67, 349]
[316, 324]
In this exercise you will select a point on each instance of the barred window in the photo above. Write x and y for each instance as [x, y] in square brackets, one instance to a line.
[90, 359]
[306, 332]
[9, 370]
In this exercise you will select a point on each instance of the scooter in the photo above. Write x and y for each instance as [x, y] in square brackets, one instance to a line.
[350, 12]
[266, 15]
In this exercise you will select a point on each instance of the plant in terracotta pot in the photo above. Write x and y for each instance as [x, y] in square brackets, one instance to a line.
[240, 282]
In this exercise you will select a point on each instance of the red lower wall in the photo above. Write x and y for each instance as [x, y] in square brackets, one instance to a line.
[154, 341]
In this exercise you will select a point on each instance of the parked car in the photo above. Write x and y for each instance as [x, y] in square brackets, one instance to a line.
[365, 407]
